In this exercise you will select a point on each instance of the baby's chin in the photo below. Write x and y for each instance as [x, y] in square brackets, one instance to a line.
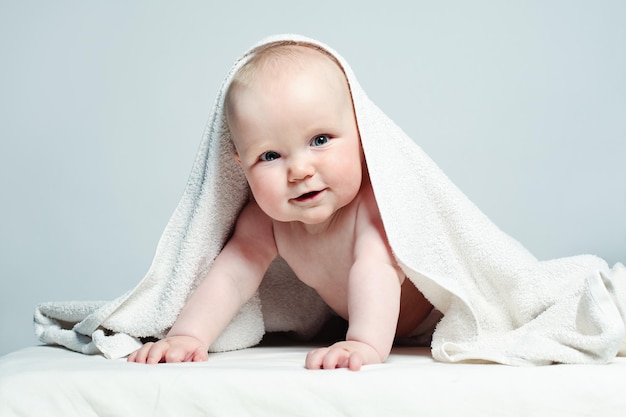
[310, 218]
[307, 220]
[317, 216]
[317, 224]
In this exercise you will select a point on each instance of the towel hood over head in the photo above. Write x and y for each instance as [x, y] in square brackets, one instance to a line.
[499, 302]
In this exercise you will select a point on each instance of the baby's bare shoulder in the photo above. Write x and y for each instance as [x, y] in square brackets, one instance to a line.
[253, 224]
[370, 237]
[367, 213]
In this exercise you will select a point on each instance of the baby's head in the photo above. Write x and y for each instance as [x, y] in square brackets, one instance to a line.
[291, 119]
[295, 69]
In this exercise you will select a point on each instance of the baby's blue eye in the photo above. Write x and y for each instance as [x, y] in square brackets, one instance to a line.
[270, 156]
[320, 140]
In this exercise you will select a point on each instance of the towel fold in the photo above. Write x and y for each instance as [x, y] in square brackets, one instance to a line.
[499, 302]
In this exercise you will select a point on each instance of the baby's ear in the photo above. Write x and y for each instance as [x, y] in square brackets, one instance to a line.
[237, 158]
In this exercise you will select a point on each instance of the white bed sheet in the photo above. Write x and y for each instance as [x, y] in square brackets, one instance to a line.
[271, 381]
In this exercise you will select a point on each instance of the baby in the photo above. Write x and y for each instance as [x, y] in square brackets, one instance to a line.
[291, 119]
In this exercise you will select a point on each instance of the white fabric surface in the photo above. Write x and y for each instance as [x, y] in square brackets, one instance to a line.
[500, 303]
[271, 381]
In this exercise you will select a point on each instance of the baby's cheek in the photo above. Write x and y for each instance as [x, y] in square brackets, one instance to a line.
[268, 199]
[351, 174]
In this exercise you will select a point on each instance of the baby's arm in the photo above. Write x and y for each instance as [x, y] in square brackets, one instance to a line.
[232, 280]
[373, 302]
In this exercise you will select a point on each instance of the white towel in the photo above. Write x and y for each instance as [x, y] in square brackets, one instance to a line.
[500, 304]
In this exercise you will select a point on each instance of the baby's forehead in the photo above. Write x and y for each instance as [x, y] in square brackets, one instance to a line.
[295, 70]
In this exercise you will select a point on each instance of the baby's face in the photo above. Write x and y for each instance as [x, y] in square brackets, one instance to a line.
[297, 141]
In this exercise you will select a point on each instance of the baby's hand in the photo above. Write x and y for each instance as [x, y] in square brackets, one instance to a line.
[171, 349]
[348, 354]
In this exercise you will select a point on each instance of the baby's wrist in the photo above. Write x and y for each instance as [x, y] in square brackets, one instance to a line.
[198, 339]
[381, 350]
[372, 355]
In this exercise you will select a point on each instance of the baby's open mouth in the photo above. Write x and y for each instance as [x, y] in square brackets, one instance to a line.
[308, 196]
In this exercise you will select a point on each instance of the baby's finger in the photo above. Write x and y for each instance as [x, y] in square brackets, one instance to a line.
[200, 355]
[175, 354]
[355, 361]
[336, 358]
[131, 357]
[157, 352]
[140, 354]
[315, 358]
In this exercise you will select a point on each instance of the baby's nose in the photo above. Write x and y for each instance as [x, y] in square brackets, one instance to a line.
[300, 168]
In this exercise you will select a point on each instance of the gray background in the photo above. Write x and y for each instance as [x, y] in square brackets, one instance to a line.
[102, 106]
